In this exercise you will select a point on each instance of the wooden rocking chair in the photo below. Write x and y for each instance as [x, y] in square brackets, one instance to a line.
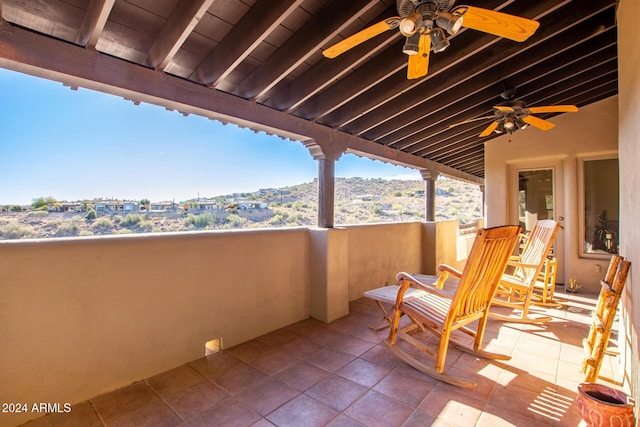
[516, 288]
[441, 313]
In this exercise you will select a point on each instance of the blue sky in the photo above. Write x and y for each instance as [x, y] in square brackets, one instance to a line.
[82, 144]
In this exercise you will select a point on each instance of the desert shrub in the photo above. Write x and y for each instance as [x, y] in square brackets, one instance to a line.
[277, 219]
[86, 233]
[235, 221]
[131, 220]
[91, 214]
[146, 225]
[298, 205]
[70, 227]
[125, 231]
[16, 208]
[199, 221]
[295, 219]
[205, 220]
[16, 231]
[376, 209]
[38, 214]
[103, 223]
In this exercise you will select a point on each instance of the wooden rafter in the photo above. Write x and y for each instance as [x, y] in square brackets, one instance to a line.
[261, 20]
[183, 20]
[94, 21]
[336, 16]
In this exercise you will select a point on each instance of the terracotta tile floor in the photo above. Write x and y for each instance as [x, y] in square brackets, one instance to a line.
[341, 374]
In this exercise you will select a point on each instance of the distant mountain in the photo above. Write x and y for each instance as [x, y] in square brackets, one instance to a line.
[357, 201]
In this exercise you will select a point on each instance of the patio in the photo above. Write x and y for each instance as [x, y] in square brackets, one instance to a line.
[341, 374]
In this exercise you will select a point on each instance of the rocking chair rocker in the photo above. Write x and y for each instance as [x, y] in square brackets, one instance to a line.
[516, 289]
[441, 313]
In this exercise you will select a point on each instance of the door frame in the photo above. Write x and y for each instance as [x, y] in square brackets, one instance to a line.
[513, 211]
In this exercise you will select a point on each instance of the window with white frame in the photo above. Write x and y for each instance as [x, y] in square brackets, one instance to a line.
[599, 206]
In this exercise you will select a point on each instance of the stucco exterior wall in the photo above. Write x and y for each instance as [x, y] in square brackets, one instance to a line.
[591, 131]
[84, 316]
[378, 252]
[629, 102]
[81, 317]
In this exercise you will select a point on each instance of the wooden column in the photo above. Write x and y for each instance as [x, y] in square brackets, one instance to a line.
[326, 192]
[429, 177]
[326, 153]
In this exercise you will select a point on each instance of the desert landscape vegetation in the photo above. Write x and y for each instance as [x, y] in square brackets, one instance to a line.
[358, 201]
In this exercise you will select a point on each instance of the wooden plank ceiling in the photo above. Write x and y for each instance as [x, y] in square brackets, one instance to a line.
[259, 63]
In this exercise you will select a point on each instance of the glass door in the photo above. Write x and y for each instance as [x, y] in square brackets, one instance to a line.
[536, 193]
[535, 197]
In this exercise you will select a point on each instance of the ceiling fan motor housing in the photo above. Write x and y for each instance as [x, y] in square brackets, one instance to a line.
[407, 7]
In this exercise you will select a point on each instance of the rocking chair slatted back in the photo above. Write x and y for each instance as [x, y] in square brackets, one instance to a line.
[536, 248]
[516, 288]
[485, 265]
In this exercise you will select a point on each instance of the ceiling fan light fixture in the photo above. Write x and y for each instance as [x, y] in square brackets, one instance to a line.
[411, 45]
[451, 22]
[439, 40]
[409, 25]
[509, 125]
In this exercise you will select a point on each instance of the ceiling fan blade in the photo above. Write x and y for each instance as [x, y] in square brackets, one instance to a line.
[490, 128]
[537, 122]
[361, 37]
[419, 63]
[472, 120]
[497, 23]
[554, 109]
[504, 108]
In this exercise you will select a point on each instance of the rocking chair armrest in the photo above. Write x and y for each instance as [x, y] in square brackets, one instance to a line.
[406, 280]
[445, 268]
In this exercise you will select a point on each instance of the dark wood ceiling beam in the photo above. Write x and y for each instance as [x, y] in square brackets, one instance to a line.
[381, 67]
[464, 157]
[513, 54]
[184, 18]
[560, 92]
[464, 45]
[389, 65]
[93, 23]
[260, 21]
[429, 135]
[447, 153]
[29, 52]
[581, 63]
[601, 60]
[323, 27]
[291, 95]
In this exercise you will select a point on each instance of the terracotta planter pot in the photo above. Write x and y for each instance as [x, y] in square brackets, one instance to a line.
[602, 406]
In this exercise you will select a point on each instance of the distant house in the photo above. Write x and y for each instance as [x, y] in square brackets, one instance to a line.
[129, 206]
[208, 205]
[162, 206]
[100, 206]
[252, 205]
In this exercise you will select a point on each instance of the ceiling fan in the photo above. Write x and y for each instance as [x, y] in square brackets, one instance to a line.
[514, 115]
[424, 23]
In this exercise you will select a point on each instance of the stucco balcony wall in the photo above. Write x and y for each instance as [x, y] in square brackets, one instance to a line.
[81, 317]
